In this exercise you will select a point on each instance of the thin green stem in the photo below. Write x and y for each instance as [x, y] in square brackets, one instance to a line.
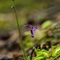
[20, 37]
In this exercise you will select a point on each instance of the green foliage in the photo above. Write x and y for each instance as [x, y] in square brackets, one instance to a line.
[46, 24]
[57, 35]
[27, 33]
[40, 35]
[42, 54]
[56, 50]
[57, 27]
[56, 31]
[28, 58]
[28, 42]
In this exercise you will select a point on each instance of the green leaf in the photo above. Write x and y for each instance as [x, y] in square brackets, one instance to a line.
[39, 37]
[57, 27]
[38, 58]
[46, 24]
[56, 50]
[41, 54]
[27, 33]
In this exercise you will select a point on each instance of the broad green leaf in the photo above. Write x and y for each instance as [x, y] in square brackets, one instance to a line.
[46, 24]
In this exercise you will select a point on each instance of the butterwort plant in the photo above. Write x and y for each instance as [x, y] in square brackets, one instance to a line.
[32, 29]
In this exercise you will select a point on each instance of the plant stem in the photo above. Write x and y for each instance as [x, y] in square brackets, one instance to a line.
[20, 37]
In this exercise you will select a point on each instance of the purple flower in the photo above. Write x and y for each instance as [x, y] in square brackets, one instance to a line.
[32, 29]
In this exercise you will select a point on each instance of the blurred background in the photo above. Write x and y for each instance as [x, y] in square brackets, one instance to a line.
[35, 12]
[24, 9]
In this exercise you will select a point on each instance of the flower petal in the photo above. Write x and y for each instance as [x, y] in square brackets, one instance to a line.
[34, 28]
[32, 33]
